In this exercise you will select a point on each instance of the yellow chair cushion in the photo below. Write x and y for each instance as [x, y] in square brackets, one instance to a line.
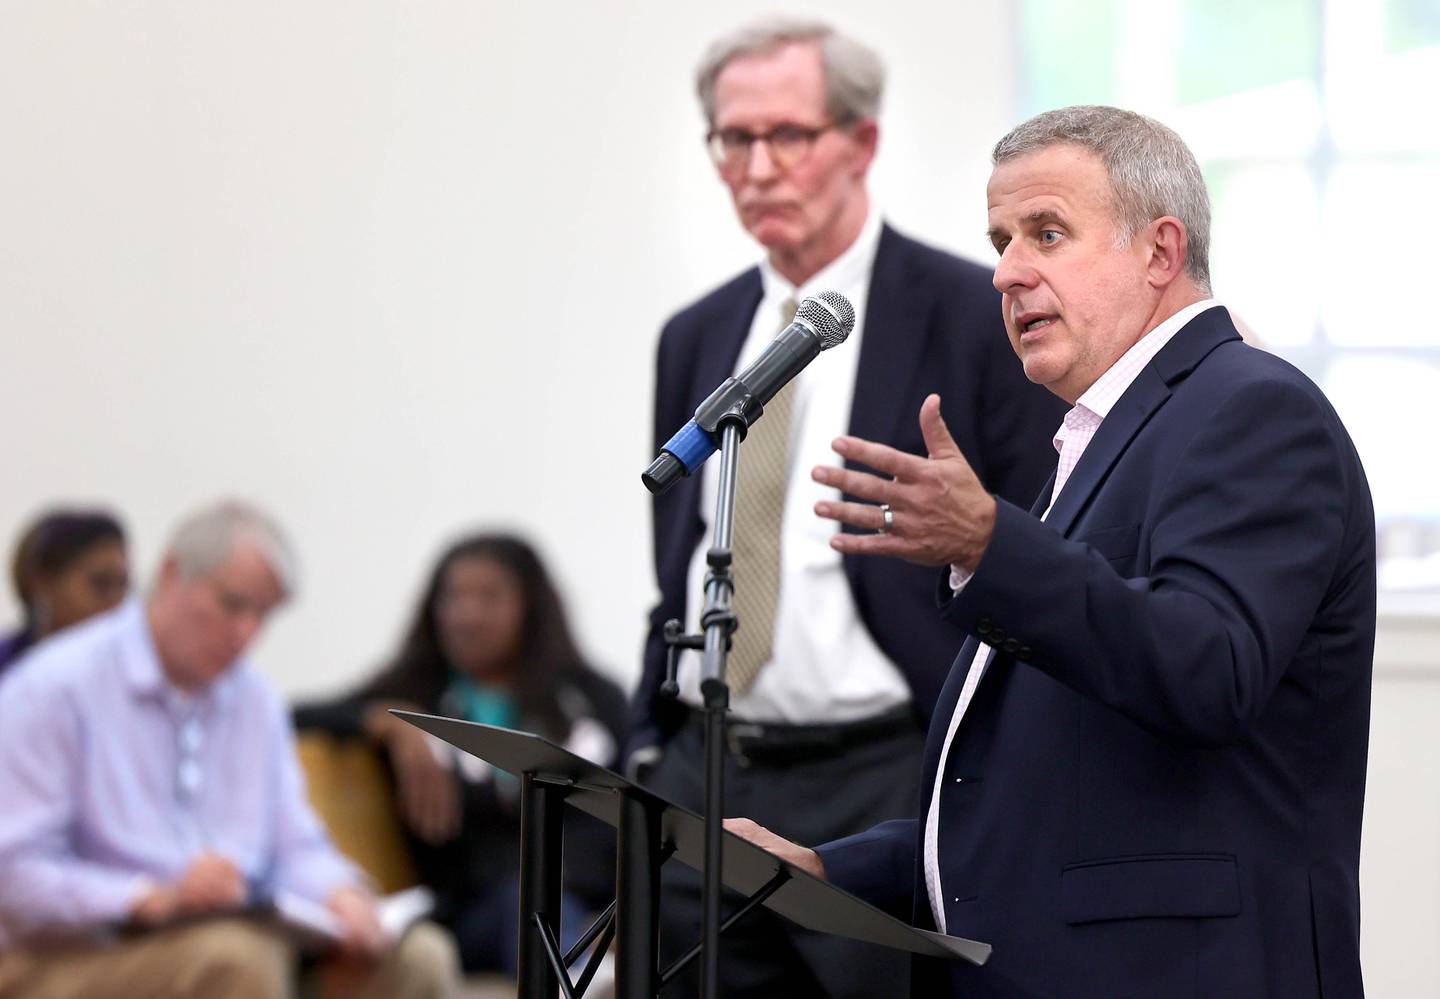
[350, 790]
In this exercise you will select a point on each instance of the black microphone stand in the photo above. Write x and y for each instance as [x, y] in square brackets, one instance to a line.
[729, 411]
[717, 622]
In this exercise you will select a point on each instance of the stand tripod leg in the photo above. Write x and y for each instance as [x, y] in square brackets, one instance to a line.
[541, 841]
[637, 897]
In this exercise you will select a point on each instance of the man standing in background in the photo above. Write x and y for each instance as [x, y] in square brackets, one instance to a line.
[837, 662]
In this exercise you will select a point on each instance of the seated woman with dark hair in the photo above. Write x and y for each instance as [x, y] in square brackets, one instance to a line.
[68, 565]
[489, 643]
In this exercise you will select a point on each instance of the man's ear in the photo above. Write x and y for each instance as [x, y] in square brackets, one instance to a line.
[866, 134]
[1169, 249]
[169, 570]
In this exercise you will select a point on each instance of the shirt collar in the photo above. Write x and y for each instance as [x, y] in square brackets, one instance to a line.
[1096, 402]
[1101, 397]
[847, 270]
[138, 657]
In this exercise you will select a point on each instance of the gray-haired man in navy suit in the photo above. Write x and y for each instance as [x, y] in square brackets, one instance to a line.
[1146, 772]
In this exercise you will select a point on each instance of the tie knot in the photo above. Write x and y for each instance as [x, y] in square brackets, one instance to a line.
[787, 312]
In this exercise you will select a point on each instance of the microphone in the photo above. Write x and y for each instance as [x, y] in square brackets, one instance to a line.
[822, 321]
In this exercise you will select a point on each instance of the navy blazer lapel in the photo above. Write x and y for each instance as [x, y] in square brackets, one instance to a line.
[1145, 395]
[1131, 412]
[894, 342]
[1037, 509]
[716, 353]
[720, 345]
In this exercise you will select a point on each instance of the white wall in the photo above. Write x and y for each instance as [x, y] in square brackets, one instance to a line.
[1400, 847]
[394, 270]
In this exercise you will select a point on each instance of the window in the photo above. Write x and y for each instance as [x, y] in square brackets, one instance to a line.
[1315, 125]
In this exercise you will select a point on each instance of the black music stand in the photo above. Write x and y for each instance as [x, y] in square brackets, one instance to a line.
[649, 830]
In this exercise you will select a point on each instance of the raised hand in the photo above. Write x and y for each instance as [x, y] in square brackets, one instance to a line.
[940, 514]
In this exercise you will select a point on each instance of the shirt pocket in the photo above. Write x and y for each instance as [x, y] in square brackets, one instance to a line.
[1176, 886]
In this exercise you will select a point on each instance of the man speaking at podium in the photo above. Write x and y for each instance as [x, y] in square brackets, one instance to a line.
[837, 661]
[1146, 771]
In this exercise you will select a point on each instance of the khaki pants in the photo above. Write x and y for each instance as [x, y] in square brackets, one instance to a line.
[223, 959]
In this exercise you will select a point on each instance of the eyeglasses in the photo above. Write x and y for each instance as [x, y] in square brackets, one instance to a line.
[787, 144]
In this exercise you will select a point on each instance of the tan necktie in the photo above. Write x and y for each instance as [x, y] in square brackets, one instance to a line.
[759, 509]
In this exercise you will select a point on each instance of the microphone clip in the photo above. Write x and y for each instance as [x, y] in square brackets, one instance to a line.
[733, 402]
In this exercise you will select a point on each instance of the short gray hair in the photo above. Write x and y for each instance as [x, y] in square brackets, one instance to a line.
[206, 538]
[854, 74]
[1152, 172]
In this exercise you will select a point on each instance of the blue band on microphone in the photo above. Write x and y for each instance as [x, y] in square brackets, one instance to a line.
[691, 445]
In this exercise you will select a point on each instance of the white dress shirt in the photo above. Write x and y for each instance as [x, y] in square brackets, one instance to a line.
[1076, 432]
[825, 668]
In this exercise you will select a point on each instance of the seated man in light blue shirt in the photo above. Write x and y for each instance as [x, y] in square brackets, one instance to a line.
[148, 778]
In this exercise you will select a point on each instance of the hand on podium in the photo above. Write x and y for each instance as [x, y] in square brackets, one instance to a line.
[802, 857]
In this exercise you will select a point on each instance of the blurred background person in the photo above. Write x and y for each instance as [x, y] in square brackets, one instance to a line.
[489, 642]
[150, 778]
[68, 565]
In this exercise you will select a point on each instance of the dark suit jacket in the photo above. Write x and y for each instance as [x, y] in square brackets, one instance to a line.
[932, 324]
[1156, 791]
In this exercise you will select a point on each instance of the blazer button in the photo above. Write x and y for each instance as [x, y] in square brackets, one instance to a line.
[983, 627]
[1012, 646]
[1025, 652]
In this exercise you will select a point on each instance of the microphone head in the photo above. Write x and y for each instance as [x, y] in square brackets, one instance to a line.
[830, 315]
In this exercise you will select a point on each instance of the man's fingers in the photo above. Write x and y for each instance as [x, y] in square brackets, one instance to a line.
[748, 829]
[880, 457]
[861, 484]
[932, 427]
[802, 857]
[865, 516]
[212, 878]
[910, 549]
[870, 544]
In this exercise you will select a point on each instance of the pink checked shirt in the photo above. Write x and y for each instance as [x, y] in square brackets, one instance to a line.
[1074, 435]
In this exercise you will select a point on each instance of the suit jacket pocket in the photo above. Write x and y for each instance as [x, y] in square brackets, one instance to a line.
[1180, 886]
[1114, 542]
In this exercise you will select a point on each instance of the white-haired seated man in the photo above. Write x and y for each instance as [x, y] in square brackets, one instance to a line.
[151, 796]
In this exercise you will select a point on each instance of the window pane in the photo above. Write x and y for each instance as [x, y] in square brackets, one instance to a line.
[1231, 46]
[1279, 122]
[1377, 255]
[1383, 401]
[1379, 95]
[1264, 242]
[1069, 53]
[1410, 23]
